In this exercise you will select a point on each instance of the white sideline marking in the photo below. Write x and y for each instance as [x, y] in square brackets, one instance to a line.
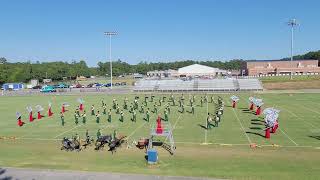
[241, 126]
[68, 130]
[288, 137]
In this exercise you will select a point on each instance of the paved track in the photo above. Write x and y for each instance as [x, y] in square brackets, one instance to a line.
[37, 174]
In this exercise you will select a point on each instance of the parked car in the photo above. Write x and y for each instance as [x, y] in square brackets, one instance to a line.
[123, 83]
[79, 86]
[117, 84]
[107, 85]
[37, 87]
[98, 84]
[90, 85]
[46, 89]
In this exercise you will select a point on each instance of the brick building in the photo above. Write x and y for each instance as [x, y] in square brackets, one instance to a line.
[267, 67]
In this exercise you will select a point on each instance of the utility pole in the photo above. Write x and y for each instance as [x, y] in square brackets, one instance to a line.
[292, 23]
[110, 34]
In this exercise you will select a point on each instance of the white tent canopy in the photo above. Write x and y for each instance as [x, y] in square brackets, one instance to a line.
[198, 69]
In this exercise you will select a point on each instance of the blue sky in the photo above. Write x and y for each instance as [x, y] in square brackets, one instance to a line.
[149, 30]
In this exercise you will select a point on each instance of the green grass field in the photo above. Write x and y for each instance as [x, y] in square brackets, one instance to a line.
[274, 79]
[291, 153]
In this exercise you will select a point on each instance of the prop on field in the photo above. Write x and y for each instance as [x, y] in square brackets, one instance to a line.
[19, 120]
[49, 110]
[64, 107]
[102, 140]
[142, 143]
[234, 99]
[159, 127]
[29, 109]
[39, 109]
[271, 121]
[117, 142]
[81, 101]
[251, 100]
[258, 103]
[70, 144]
[166, 131]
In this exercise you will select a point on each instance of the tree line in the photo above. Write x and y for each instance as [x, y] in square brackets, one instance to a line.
[309, 55]
[25, 71]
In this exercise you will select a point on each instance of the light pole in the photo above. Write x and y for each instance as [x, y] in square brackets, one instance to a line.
[293, 23]
[110, 34]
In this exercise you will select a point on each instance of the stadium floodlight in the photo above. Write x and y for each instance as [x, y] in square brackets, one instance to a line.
[293, 23]
[110, 34]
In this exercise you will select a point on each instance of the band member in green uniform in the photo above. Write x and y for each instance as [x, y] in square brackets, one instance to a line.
[84, 117]
[109, 116]
[134, 116]
[166, 117]
[76, 118]
[155, 109]
[62, 118]
[102, 102]
[211, 99]
[78, 112]
[104, 109]
[118, 109]
[142, 109]
[114, 103]
[168, 108]
[182, 108]
[92, 110]
[209, 121]
[98, 117]
[192, 109]
[201, 101]
[147, 115]
[121, 116]
[98, 133]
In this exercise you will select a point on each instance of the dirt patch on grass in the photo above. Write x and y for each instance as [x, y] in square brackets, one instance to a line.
[292, 85]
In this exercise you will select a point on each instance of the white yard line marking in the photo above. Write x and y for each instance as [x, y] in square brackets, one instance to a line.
[288, 137]
[309, 109]
[68, 130]
[174, 126]
[292, 113]
[143, 124]
[281, 130]
[134, 131]
[249, 140]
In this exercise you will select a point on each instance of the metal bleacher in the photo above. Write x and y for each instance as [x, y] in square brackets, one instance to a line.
[199, 85]
[216, 85]
[249, 85]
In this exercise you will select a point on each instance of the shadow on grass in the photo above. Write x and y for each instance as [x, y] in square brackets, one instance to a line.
[249, 112]
[256, 128]
[255, 133]
[255, 123]
[246, 110]
[315, 137]
[257, 120]
[202, 126]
